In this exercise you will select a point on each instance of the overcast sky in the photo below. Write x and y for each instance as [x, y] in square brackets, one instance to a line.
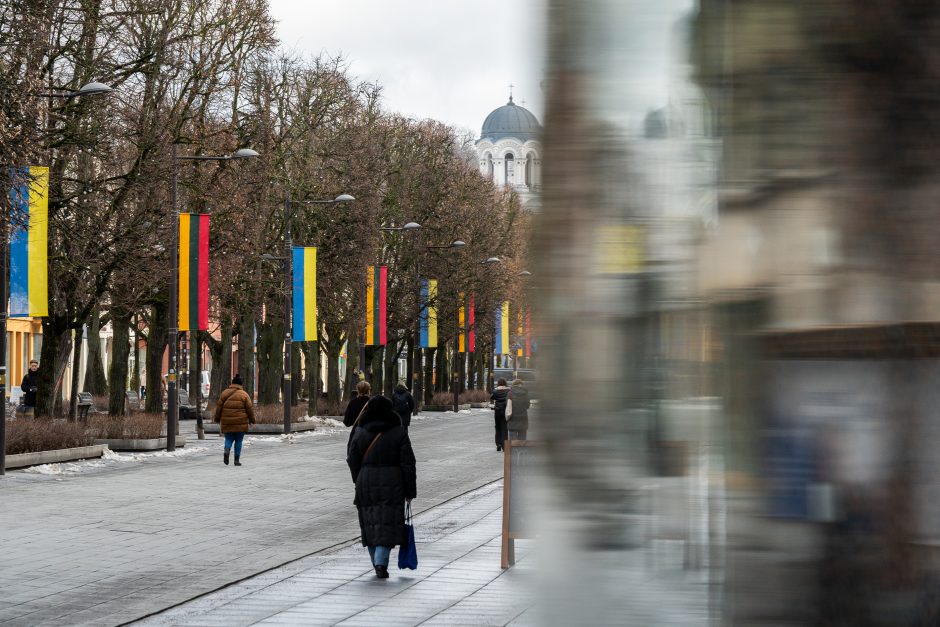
[451, 60]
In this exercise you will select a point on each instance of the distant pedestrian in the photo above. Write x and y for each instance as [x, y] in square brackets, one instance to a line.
[234, 413]
[404, 404]
[499, 397]
[518, 423]
[355, 405]
[382, 464]
[30, 385]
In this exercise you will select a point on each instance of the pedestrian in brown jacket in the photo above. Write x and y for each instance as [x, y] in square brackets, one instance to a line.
[234, 413]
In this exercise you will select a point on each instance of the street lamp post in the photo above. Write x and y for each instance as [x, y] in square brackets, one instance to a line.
[288, 391]
[172, 402]
[90, 89]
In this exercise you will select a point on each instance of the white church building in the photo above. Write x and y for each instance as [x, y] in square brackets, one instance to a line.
[510, 151]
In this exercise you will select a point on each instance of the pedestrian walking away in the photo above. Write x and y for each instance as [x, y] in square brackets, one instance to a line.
[235, 415]
[499, 398]
[518, 422]
[354, 408]
[382, 464]
[404, 405]
[30, 385]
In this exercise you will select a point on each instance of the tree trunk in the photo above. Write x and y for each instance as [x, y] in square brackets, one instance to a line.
[443, 369]
[352, 365]
[156, 345]
[135, 373]
[375, 366]
[221, 352]
[76, 362]
[461, 373]
[391, 371]
[120, 350]
[246, 354]
[409, 364]
[270, 362]
[56, 346]
[313, 388]
[332, 377]
[296, 374]
[429, 375]
[95, 380]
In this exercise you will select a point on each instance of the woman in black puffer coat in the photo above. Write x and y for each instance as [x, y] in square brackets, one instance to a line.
[382, 463]
[499, 397]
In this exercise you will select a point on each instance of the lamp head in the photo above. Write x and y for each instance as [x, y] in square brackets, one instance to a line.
[411, 226]
[344, 198]
[244, 153]
[93, 88]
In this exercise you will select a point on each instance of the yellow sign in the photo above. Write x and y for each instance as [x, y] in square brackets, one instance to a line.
[619, 249]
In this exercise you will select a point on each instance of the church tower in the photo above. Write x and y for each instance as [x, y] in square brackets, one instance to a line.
[510, 151]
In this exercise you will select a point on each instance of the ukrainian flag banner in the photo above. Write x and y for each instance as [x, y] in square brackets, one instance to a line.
[377, 282]
[194, 272]
[501, 346]
[305, 294]
[428, 313]
[29, 261]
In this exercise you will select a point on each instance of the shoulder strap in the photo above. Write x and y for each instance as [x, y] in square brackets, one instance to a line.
[362, 411]
[225, 395]
[374, 440]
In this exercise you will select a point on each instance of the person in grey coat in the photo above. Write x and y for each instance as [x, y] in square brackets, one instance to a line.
[518, 423]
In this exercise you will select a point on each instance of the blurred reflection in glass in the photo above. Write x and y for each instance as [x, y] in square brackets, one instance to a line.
[738, 291]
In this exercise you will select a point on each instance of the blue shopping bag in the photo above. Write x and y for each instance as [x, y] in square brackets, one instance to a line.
[408, 552]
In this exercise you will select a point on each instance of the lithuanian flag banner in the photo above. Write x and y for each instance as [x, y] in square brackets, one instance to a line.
[466, 341]
[194, 272]
[305, 294]
[377, 282]
[29, 262]
[428, 313]
[501, 345]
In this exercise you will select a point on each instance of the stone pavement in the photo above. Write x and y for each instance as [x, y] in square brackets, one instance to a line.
[458, 581]
[108, 542]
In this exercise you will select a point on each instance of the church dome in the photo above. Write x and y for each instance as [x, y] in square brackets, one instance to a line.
[511, 120]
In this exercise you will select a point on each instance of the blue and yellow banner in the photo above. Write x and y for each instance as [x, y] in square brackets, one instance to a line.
[29, 242]
[428, 313]
[305, 294]
[501, 345]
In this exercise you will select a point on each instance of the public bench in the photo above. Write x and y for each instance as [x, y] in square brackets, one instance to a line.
[85, 405]
[132, 402]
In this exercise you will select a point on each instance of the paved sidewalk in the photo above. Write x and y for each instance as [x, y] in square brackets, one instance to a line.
[107, 542]
[458, 581]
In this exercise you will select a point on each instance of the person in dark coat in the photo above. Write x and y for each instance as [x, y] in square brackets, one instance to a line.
[382, 464]
[404, 405]
[235, 415]
[355, 405]
[30, 385]
[518, 423]
[499, 397]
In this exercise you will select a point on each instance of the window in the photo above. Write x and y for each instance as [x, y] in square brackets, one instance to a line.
[510, 167]
[529, 164]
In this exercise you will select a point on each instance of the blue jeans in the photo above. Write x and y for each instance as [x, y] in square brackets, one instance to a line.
[237, 439]
[380, 555]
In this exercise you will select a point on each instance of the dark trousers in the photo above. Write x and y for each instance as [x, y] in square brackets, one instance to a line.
[500, 424]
